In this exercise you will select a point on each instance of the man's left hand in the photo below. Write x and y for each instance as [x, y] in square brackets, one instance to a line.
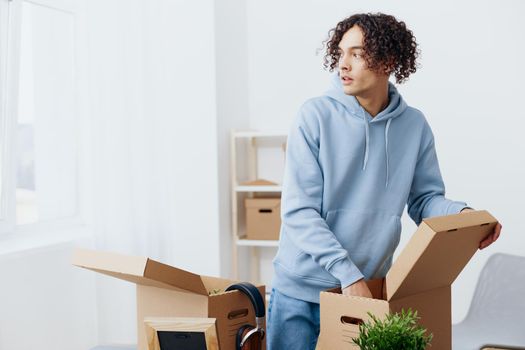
[492, 237]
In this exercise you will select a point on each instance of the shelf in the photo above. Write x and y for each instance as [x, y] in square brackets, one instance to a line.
[252, 152]
[241, 188]
[248, 133]
[257, 243]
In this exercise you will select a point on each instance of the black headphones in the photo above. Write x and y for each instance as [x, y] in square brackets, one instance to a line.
[246, 331]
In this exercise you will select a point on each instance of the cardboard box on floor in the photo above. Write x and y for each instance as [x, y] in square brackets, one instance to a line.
[420, 278]
[166, 291]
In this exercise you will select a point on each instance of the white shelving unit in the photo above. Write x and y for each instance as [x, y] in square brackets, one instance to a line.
[258, 188]
[244, 148]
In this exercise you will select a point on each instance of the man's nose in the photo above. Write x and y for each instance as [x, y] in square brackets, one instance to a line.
[344, 64]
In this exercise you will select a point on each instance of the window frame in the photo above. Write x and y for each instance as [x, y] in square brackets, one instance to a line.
[10, 38]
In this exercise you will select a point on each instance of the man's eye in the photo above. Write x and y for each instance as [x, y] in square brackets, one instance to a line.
[356, 55]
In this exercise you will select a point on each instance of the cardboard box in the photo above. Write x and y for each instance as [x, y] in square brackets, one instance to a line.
[420, 278]
[166, 291]
[263, 218]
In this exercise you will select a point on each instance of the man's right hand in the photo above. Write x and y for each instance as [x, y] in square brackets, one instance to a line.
[359, 289]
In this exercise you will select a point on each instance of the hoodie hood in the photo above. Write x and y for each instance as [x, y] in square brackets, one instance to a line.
[396, 107]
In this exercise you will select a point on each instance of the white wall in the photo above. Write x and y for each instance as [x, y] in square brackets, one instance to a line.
[469, 87]
[46, 302]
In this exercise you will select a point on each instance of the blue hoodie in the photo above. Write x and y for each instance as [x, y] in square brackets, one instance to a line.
[347, 180]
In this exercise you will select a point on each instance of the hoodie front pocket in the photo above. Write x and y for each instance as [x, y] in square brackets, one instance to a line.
[370, 237]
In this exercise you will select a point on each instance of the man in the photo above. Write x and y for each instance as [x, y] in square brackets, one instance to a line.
[355, 157]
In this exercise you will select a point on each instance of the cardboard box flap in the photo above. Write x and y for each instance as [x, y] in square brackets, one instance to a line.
[174, 277]
[437, 252]
[459, 221]
[139, 270]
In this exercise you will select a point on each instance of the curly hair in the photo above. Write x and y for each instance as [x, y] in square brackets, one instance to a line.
[389, 46]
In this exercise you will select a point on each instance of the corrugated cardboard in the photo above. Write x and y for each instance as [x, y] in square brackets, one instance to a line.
[166, 291]
[263, 218]
[420, 278]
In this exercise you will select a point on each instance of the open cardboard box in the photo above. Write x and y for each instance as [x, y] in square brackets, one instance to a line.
[166, 291]
[420, 278]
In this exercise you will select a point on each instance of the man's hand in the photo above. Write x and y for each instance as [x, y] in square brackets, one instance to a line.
[359, 289]
[491, 238]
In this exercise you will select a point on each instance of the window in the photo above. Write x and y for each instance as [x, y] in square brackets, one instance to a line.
[40, 115]
[4, 135]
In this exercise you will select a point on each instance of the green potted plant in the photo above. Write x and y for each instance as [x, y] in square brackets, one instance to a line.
[398, 331]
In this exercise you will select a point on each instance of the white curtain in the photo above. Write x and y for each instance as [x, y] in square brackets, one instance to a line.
[154, 166]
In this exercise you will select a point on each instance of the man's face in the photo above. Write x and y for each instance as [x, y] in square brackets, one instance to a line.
[355, 76]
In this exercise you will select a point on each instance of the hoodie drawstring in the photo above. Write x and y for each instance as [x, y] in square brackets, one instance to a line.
[395, 108]
[386, 148]
[367, 138]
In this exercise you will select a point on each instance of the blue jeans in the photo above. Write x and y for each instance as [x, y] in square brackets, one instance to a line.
[292, 323]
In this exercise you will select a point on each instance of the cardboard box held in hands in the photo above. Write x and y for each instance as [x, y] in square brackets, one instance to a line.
[166, 291]
[420, 279]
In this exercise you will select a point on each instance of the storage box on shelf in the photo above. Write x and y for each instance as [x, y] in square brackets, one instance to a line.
[263, 218]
